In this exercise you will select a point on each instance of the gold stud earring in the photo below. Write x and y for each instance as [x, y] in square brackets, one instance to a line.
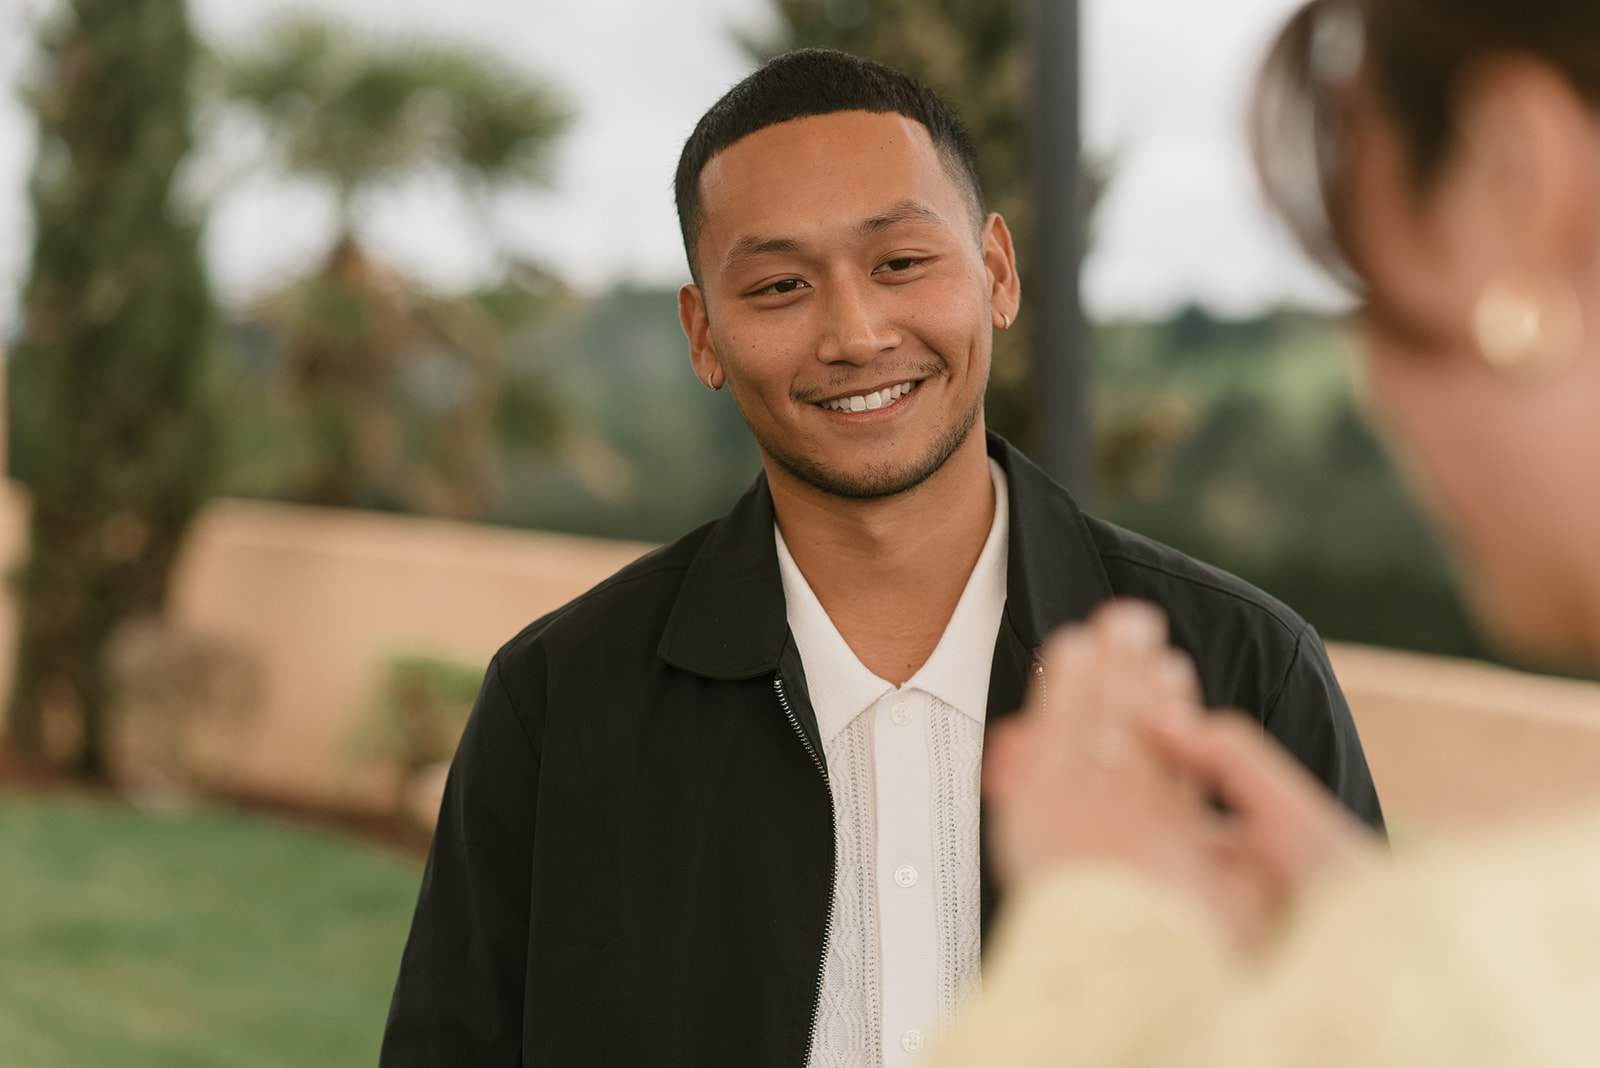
[1525, 329]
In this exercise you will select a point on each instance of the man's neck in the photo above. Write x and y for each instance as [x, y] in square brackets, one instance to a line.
[890, 571]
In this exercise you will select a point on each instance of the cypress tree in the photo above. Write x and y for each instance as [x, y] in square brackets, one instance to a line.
[109, 424]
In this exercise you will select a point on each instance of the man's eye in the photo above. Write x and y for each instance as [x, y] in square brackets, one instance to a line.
[783, 288]
[903, 264]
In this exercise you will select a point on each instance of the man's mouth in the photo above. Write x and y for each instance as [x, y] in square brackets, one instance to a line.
[868, 402]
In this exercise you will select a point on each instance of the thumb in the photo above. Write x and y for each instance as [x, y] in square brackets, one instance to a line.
[1229, 754]
[1285, 817]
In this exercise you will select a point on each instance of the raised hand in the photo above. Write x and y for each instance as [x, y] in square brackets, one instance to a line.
[1281, 823]
[1075, 778]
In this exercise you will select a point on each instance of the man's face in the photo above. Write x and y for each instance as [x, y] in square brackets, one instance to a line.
[848, 298]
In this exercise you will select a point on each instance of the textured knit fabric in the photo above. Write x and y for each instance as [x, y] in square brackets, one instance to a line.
[903, 763]
[849, 1016]
[1482, 954]
[957, 753]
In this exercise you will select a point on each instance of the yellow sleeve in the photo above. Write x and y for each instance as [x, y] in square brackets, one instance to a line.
[1092, 965]
[1477, 956]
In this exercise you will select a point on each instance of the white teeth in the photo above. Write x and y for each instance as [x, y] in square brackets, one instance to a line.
[870, 402]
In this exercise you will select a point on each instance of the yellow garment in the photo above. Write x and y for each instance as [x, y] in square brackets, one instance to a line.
[1478, 954]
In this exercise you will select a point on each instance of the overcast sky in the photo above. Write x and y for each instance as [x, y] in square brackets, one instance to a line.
[1165, 84]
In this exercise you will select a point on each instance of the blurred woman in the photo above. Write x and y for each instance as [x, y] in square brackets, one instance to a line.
[1443, 158]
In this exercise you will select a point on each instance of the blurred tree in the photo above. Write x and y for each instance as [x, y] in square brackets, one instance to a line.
[401, 390]
[974, 54]
[666, 454]
[110, 420]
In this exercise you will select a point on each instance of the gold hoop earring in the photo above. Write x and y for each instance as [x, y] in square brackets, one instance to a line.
[1005, 322]
[1526, 330]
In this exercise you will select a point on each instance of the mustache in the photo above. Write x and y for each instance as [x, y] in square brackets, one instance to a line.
[846, 384]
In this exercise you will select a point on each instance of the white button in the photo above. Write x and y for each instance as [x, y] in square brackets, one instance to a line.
[905, 875]
[900, 714]
[912, 1041]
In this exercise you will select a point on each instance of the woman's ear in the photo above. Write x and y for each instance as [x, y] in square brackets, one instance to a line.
[1511, 208]
[1519, 213]
[1522, 183]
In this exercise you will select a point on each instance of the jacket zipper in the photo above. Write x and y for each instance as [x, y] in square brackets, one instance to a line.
[822, 769]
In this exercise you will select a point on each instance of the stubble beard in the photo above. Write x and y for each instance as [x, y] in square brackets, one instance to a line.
[878, 482]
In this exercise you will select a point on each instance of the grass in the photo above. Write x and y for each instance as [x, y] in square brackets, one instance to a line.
[206, 938]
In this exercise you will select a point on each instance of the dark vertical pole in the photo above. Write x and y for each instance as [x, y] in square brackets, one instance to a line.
[1062, 442]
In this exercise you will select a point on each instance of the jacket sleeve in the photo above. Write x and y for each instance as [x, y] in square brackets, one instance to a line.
[1477, 959]
[459, 996]
[1309, 717]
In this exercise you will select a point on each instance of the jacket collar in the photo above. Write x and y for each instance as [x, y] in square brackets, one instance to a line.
[729, 621]
[1054, 574]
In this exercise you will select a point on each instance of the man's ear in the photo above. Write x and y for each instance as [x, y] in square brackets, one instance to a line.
[697, 328]
[1000, 259]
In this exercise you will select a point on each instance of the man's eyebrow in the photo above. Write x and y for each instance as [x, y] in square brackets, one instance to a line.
[750, 247]
[903, 212]
[907, 211]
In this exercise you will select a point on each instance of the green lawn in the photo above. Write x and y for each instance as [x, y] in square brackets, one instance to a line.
[208, 938]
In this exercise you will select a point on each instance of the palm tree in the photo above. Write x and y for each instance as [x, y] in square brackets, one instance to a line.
[358, 336]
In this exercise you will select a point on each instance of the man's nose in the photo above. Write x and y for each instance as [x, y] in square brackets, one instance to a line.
[855, 328]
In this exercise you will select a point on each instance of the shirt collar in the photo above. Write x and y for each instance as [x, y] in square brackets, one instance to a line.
[728, 620]
[958, 671]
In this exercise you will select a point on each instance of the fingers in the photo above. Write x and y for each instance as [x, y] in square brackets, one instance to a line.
[1068, 662]
[1126, 626]
[1177, 673]
[1103, 676]
[1231, 755]
[1072, 778]
[1114, 756]
[1289, 825]
[1138, 630]
[1131, 624]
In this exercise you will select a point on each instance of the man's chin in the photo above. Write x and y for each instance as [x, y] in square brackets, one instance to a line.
[874, 481]
[865, 485]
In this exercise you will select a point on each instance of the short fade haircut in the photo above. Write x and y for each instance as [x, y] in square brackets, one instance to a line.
[816, 81]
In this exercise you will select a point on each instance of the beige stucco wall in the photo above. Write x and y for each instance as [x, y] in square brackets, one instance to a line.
[320, 597]
[1455, 744]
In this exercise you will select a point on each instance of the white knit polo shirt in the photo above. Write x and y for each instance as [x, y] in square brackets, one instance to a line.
[903, 944]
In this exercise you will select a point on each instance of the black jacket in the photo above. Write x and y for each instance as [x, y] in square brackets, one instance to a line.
[634, 857]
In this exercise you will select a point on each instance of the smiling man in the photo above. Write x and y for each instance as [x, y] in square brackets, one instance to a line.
[723, 809]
